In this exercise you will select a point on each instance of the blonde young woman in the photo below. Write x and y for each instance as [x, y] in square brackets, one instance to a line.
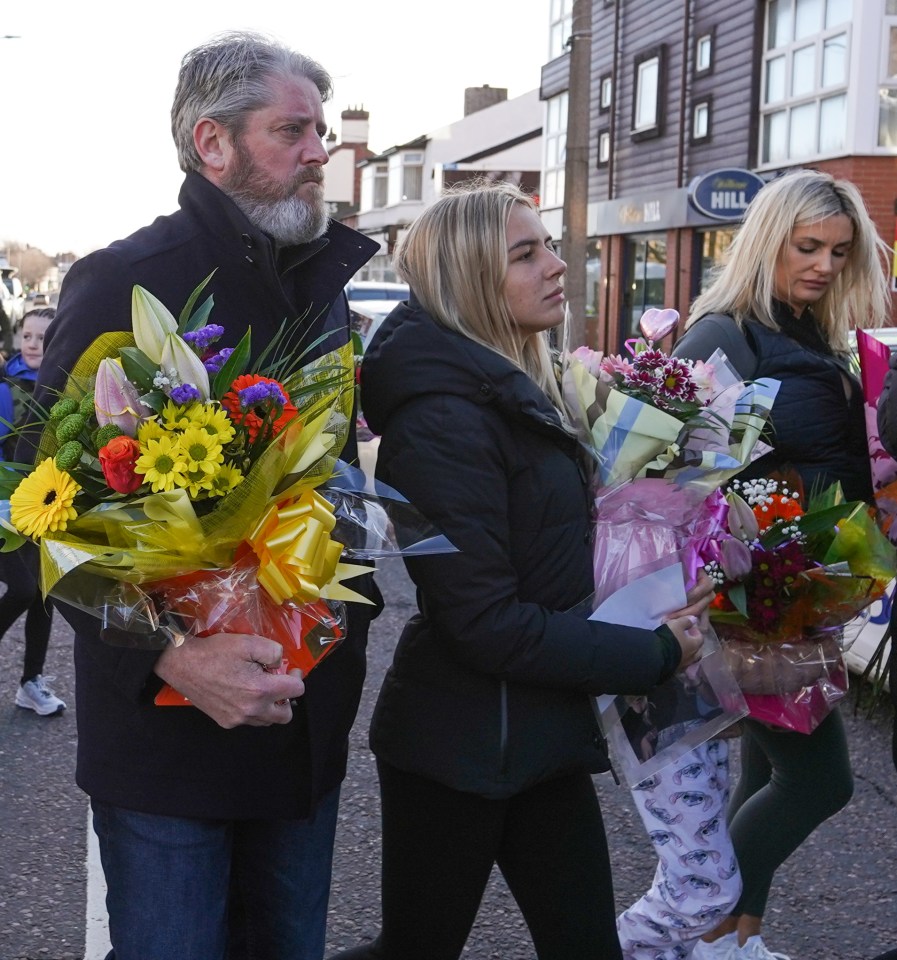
[806, 265]
[484, 730]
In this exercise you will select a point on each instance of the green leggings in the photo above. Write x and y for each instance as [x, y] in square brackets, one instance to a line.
[790, 783]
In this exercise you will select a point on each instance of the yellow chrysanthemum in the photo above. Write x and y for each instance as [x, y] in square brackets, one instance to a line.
[162, 463]
[175, 417]
[227, 478]
[201, 451]
[43, 501]
[218, 424]
[198, 483]
[150, 430]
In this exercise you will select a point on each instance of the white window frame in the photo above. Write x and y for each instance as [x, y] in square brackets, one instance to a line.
[701, 111]
[779, 113]
[647, 94]
[554, 151]
[704, 53]
[560, 27]
[887, 90]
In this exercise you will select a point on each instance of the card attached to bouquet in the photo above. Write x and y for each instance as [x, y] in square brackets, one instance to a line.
[648, 732]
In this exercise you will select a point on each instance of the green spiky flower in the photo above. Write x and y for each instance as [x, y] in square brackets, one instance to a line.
[69, 427]
[68, 456]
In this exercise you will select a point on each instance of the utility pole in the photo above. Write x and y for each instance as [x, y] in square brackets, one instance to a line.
[576, 170]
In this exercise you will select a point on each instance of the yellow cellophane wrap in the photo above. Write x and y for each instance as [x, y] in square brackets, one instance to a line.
[160, 536]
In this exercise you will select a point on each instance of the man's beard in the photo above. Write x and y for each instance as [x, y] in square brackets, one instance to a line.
[272, 205]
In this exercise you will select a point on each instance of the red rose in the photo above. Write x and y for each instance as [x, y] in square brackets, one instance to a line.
[117, 460]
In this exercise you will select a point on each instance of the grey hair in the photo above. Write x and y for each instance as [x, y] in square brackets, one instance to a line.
[745, 285]
[227, 78]
[455, 259]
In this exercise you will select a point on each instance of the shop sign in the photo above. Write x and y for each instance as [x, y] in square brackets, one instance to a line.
[724, 194]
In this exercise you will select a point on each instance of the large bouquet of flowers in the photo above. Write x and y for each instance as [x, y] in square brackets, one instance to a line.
[179, 488]
[793, 574]
[665, 434]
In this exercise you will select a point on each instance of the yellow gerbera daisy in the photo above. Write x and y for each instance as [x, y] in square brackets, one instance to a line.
[162, 463]
[150, 430]
[197, 483]
[175, 417]
[43, 500]
[226, 479]
[217, 423]
[201, 451]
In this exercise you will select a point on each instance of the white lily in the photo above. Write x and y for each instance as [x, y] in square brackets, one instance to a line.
[180, 363]
[151, 322]
[116, 399]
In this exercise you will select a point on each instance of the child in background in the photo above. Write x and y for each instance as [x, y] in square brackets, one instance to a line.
[19, 569]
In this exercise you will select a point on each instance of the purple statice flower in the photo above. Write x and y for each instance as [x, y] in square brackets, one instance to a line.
[184, 394]
[201, 338]
[217, 360]
[261, 394]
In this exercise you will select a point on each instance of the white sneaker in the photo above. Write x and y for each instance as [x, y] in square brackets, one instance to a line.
[723, 948]
[37, 695]
[755, 949]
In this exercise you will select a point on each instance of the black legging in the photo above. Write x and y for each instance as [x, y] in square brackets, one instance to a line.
[790, 783]
[19, 571]
[439, 847]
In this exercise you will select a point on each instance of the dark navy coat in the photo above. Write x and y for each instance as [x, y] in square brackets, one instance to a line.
[175, 760]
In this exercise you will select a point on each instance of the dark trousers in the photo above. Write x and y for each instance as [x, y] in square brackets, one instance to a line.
[790, 783]
[19, 571]
[439, 847]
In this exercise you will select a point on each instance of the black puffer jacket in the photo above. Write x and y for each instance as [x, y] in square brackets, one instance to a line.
[818, 423]
[491, 687]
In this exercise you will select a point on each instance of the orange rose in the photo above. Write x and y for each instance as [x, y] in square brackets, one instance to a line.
[117, 460]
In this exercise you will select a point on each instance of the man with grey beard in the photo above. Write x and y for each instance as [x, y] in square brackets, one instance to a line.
[216, 820]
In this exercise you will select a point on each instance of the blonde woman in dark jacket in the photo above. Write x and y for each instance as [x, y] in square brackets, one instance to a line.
[805, 266]
[484, 731]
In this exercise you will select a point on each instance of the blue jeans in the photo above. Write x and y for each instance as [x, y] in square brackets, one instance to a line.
[185, 889]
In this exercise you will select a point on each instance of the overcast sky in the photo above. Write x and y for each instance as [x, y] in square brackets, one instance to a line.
[86, 154]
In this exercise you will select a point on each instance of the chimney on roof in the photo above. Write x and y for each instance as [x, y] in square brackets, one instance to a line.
[478, 98]
[354, 125]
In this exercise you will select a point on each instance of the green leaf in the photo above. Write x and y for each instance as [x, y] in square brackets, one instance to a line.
[138, 367]
[738, 597]
[184, 320]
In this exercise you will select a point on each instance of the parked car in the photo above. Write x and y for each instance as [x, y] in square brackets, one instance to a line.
[368, 290]
[14, 297]
[36, 299]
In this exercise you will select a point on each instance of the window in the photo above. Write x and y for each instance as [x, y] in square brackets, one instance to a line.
[704, 53]
[887, 93]
[646, 112]
[700, 125]
[381, 186]
[555, 151]
[603, 147]
[605, 93]
[805, 73]
[560, 27]
[412, 176]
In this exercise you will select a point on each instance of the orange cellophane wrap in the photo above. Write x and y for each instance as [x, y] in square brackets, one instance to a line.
[233, 601]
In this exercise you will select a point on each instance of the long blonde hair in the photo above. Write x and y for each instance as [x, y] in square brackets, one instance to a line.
[745, 285]
[455, 259]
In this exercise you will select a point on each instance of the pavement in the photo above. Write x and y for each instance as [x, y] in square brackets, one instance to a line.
[835, 899]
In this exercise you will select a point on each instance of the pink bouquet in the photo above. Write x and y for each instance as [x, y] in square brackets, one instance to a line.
[666, 434]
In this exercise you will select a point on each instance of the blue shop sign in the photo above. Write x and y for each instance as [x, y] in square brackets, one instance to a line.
[724, 194]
